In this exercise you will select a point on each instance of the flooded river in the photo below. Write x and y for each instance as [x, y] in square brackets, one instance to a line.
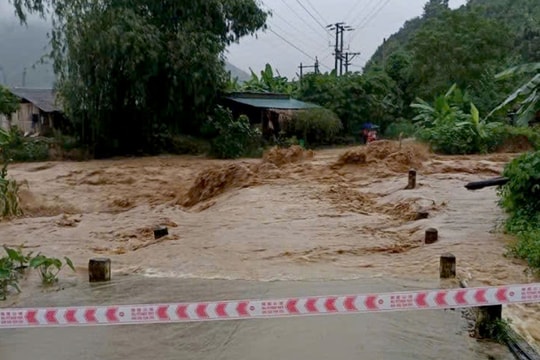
[333, 215]
[412, 335]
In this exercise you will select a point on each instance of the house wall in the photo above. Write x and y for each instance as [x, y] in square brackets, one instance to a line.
[22, 118]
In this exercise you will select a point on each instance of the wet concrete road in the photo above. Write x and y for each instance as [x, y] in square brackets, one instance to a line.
[407, 335]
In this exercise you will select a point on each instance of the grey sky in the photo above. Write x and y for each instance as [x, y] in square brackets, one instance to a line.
[373, 20]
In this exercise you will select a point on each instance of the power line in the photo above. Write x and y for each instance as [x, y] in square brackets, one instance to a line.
[300, 17]
[369, 18]
[364, 8]
[296, 47]
[295, 28]
[311, 15]
[316, 11]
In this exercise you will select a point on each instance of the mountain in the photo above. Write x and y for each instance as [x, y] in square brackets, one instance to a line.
[237, 73]
[22, 49]
[522, 17]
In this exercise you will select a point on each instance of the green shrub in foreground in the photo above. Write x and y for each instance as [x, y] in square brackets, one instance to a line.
[520, 198]
[232, 138]
[315, 126]
[399, 128]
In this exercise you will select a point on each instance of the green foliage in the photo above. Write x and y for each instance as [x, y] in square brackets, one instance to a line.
[524, 186]
[131, 71]
[467, 46]
[449, 129]
[9, 103]
[527, 246]
[232, 138]
[458, 47]
[49, 268]
[9, 277]
[9, 188]
[314, 126]
[520, 200]
[400, 128]
[21, 149]
[18, 257]
[527, 96]
[269, 82]
[15, 262]
[355, 98]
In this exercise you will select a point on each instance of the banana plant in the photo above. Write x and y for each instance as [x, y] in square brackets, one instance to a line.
[528, 95]
[268, 81]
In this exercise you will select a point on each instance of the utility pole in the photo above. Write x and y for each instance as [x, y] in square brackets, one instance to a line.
[340, 29]
[4, 78]
[315, 67]
[349, 57]
[24, 78]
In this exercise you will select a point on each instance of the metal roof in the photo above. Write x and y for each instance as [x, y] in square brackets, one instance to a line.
[273, 103]
[44, 99]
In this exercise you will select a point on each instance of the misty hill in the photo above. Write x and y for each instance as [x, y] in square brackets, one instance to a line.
[24, 47]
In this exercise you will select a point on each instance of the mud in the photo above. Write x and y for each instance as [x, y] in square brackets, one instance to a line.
[321, 216]
[282, 156]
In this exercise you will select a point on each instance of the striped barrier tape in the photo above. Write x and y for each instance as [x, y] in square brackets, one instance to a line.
[263, 309]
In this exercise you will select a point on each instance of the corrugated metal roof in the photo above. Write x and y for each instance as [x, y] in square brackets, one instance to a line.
[44, 99]
[274, 103]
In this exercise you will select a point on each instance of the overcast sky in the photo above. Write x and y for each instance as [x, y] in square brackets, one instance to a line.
[373, 20]
[295, 36]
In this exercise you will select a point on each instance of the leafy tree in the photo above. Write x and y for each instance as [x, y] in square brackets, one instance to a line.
[232, 138]
[355, 98]
[315, 126]
[435, 8]
[457, 48]
[8, 102]
[527, 96]
[129, 70]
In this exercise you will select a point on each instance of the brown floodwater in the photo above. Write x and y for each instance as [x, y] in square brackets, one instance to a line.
[411, 335]
[340, 214]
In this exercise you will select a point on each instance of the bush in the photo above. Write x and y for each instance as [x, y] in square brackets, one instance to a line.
[400, 128]
[232, 138]
[9, 188]
[315, 127]
[450, 129]
[521, 195]
[21, 149]
[520, 198]
[527, 247]
[516, 138]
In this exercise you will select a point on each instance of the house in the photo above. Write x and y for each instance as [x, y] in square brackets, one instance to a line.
[267, 110]
[38, 112]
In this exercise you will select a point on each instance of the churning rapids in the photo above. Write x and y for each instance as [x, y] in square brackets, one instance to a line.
[326, 222]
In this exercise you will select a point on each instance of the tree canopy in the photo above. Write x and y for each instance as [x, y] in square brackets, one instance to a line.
[8, 102]
[131, 70]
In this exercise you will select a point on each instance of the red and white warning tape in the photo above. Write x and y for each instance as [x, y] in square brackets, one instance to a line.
[263, 309]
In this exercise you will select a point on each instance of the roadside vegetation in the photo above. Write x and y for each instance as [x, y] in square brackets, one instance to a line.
[521, 196]
[14, 266]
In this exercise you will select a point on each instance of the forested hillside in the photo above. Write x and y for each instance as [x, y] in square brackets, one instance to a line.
[466, 46]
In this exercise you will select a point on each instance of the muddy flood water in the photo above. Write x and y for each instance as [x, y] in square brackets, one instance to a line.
[315, 222]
